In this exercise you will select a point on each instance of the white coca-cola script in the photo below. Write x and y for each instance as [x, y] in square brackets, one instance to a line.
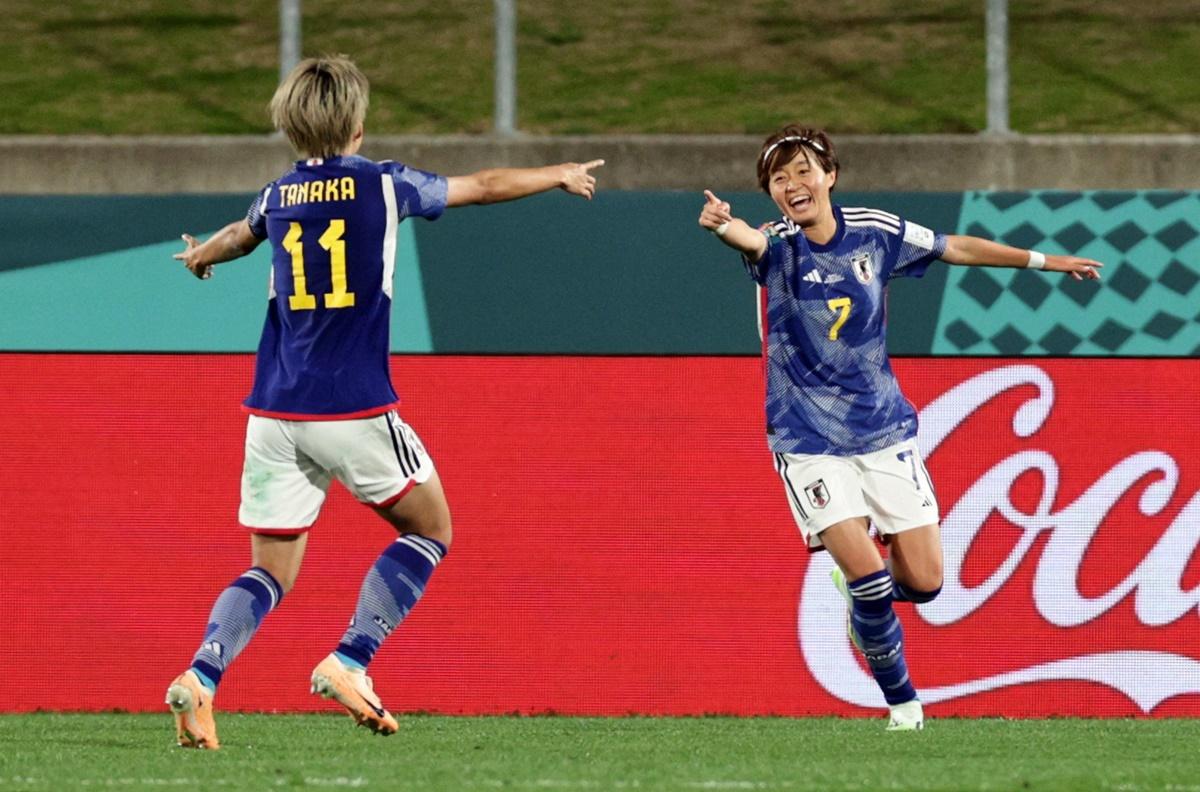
[1146, 677]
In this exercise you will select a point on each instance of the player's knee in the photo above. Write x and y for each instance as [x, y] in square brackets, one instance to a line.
[287, 583]
[926, 578]
[440, 530]
[284, 575]
[919, 585]
[280, 556]
[433, 524]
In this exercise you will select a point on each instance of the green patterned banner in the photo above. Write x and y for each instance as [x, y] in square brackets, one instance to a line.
[1146, 304]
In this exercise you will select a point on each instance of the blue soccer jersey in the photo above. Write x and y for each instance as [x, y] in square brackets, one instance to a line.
[332, 226]
[830, 386]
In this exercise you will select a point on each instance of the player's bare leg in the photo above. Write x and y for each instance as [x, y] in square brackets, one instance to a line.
[390, 590]
[874, 626]
[235, 616]
[852, 548]
[916, 562]
[279, 555]
[422, 511]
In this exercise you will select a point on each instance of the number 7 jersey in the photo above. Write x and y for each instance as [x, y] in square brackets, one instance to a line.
[830, 386]
[332, 227]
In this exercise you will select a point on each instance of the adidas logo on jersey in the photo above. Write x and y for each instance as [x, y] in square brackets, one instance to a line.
[815, 276]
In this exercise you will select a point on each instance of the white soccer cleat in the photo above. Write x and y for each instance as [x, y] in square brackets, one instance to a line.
[907, 717]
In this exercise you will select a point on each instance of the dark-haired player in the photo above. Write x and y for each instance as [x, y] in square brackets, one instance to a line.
[842, 433]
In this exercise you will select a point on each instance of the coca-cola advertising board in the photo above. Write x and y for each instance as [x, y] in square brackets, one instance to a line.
[622, 542]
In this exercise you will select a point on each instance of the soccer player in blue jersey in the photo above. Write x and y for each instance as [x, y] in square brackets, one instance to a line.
[842, 434]
[322, 405]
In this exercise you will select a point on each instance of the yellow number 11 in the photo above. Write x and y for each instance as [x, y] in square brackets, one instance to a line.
[332, 241]
[841, 304]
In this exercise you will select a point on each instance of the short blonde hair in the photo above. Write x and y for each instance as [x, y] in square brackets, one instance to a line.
[321, 104]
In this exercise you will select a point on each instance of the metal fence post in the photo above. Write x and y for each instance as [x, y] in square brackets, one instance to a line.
[289, 36]
[997, 67]
[506, 68]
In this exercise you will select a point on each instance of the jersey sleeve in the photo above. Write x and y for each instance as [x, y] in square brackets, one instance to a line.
[418, 193]
[913, 250]
[256, 215]
[758, 269]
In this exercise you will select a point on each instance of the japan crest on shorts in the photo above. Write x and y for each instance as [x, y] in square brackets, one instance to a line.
[861, 264]
[817, 494]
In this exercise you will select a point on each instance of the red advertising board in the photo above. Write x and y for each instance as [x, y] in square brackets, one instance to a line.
[622, 544]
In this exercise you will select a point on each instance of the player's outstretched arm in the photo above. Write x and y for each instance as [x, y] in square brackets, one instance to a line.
[717, 216]
[974, 251]
[507, 184]
[233, 241]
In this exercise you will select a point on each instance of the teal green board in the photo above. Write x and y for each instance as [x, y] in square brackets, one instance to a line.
[42, 229]
[625, 273]
[628, 273]
[410, 315]
[140, 299]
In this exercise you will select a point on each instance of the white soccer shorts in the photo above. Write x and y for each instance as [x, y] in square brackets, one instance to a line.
[890, 487]
[289, 465]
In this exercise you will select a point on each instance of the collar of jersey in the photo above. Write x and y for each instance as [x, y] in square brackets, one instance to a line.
[832, 243]
[339, 158]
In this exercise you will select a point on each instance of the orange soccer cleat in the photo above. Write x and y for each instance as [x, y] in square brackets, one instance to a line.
[192, 704]
[354, 690]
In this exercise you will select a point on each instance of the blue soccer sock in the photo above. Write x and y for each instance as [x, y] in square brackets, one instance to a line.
[235, 616]
[389, 591]
[880, 635]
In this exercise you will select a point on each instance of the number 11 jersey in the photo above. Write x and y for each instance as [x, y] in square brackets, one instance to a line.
[332, 225]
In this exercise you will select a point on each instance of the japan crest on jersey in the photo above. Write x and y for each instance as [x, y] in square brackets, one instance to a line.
[861, 264]
[817, 494]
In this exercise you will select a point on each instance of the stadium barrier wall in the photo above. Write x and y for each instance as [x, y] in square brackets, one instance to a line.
[909, 163]
[623, 544]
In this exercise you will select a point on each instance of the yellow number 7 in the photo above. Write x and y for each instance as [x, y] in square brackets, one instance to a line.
[841, 304]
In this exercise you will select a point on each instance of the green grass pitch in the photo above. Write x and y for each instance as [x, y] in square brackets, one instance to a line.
[78, 751]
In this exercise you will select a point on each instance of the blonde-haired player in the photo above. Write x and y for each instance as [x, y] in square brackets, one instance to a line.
[322, 405]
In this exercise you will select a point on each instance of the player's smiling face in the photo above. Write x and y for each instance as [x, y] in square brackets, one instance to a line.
[800, 188]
